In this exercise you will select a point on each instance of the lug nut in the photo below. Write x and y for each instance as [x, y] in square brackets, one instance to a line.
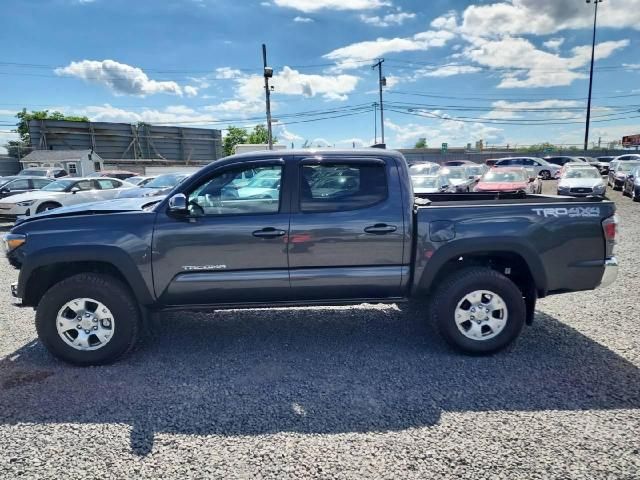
[95, 320]
[86, 331]
[79, 327]
[95, 328]
[472, 317]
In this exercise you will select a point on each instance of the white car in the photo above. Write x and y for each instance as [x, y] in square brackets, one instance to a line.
[429, 184]
[424, 169]
[543, 169]
[581, 182]
[61, 193]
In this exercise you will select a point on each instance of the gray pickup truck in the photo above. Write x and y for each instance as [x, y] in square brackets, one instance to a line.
[305, 228]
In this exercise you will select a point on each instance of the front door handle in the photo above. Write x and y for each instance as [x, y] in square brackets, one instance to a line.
[380, 229]
[269, 232]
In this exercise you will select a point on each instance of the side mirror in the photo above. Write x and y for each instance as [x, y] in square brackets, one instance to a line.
[4, 190]
[75, 190]
[178, 203]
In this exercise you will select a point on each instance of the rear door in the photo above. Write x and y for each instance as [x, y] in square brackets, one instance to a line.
[347, 231]
[231, 247]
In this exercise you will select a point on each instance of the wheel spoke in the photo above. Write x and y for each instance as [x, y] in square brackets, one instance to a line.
[462, 315]
[66, 324]
[103, 335]
[495, 324]
[475, 330]
[81, 341]
[92, 334]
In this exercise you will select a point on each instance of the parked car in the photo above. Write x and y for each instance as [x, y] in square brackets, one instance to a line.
[429, 183]
[543, 169]
[62, 192]
[457, 163]
[459, 179]
[44, 172]
[477, 170]
[568, 165]
[119, 174]
[259, 187]
[602, 164]
[534, 180]
[562, 160]
[491, 162]
[21, 184]
[514, 179]
[631, 185]
[139, 181]
[424, 168]
[582, 182]
[161, 185]
[481, 266]
[618, 172]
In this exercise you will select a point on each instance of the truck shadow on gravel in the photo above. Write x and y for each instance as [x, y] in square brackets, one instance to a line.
[311, 371]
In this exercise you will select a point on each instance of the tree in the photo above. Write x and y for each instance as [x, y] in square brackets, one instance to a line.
[19, 148]
[235, 136]
[422, 143]
[260, 135]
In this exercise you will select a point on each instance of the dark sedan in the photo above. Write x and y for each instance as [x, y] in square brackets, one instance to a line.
[21, 184]
[631, 184]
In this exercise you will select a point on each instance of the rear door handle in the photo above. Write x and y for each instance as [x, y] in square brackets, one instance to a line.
[380, 229]
[269, 232]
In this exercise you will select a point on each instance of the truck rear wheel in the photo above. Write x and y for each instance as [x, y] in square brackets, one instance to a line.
[478, 310]
[88, 319]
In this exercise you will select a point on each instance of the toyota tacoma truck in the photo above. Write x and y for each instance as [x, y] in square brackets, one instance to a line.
[292, 228]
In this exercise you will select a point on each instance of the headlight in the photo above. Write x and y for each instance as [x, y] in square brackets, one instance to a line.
[26, 203]
[563, 187]
[12, 241]
[598, 188]
[637, 181]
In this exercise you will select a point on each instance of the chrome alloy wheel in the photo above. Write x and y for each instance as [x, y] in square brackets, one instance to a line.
[85, 324]
[481, 315]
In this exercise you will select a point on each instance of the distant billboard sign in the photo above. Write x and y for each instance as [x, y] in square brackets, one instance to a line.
[631, 141]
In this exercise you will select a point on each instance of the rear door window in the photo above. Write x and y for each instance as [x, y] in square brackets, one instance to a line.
[342, 186]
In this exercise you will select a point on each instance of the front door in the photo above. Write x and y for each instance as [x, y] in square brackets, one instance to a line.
[231, 247]
[347, 234]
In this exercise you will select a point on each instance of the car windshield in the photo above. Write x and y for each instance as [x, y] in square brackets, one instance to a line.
[476, 170]
[59, 185]
[4, 181]
[582, 173]
[502, 176]
[424, 169]
[135, 180]
[457, 173]
[627, 166]
[34, 172]
[604, 159]
[425, 182]
[169, 180]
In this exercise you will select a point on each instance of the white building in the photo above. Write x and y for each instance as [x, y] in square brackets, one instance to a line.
[77, 163]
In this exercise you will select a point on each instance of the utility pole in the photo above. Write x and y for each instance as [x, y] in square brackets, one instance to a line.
[382, 81]
[375, 122]
[593, 51]
[268, 73]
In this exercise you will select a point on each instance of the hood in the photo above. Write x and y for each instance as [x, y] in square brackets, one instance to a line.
[35, 195]
[97, 208]
[501, 186]
[142, 192]
[457, 181]
[580, 182]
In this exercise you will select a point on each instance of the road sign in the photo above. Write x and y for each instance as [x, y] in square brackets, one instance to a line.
[445, 146]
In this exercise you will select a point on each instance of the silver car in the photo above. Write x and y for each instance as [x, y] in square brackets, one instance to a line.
[582, 181]
[424, 168]
[429, 184]
[543, 169]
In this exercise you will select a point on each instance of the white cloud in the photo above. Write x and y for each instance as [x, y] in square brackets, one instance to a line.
[303, 20]
[387, 20]
[285, 135]
[292, 82]
[226, 73]
[554, 43]
[190, 91]
[5, 136]
[449, 21]
[446, 71]
[548, 109]
[439, 131]
[631, 66]
[546, 16]
[308, 6]
[351, 56]
[170, 114]
[241, 108]
[524, 65]
[121, 78]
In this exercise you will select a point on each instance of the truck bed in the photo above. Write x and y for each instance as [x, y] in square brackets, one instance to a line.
[482, 198]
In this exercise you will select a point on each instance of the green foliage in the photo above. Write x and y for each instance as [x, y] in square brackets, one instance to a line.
[237, 136]
[540, 147]
[24, 117]
[422, 143]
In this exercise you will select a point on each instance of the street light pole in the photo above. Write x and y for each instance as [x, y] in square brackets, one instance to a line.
[382, 82]
[593, 51]
[268, 73]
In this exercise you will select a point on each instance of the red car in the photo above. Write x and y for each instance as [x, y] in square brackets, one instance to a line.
[507, 179]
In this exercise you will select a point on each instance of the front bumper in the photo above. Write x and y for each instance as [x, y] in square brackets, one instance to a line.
[13, 212]
[610, 272]
[15, 299]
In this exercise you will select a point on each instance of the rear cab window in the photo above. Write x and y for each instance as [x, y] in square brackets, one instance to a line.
[342, 185]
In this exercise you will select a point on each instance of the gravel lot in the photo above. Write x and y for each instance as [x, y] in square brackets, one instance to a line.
[361, 392]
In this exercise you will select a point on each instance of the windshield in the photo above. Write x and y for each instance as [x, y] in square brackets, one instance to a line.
[4, 181]
[457, 173]
[476, 170]
[59, 186]
[34, 172]
[425, 182]
[498, 175]
[582, 173]
[424, 169]
[169, 180]
[627, 166]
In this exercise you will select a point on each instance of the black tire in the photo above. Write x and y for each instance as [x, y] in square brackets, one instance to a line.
[104, 288]
[455, 287]
[47, 206]
[545, 174]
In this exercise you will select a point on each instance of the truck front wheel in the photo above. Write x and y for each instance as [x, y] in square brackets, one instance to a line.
[478, 310]
[88, 319]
